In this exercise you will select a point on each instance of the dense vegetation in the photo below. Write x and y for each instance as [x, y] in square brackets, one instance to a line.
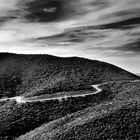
[121, 124]
[17, 119]
[117, 118]
[102, 116]
[44, 74]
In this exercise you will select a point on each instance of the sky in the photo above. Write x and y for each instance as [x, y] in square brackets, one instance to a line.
[106, 30]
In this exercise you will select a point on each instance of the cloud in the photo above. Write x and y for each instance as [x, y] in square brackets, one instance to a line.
[99, 29]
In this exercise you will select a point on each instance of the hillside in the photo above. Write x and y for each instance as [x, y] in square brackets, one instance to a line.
[44, 74]
[117, 118]
[95, 116]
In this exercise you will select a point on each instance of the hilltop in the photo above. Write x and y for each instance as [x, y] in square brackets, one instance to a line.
[31, 75]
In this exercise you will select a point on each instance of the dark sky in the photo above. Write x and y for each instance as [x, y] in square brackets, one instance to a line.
[107, 30]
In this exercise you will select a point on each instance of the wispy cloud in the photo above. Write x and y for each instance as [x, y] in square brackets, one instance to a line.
[107, 30]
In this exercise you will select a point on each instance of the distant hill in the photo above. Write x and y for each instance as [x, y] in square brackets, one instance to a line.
[44, 74]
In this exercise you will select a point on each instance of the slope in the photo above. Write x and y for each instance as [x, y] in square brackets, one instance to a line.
[31, 75]
[117, 118]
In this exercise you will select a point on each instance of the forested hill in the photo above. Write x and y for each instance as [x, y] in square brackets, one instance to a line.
[41, 74]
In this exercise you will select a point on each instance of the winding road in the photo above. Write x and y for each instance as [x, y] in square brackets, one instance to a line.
[22, 99]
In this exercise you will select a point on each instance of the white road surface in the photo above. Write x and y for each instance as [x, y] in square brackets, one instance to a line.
[22, 99]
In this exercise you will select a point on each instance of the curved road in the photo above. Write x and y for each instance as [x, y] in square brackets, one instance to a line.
[21, 99]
